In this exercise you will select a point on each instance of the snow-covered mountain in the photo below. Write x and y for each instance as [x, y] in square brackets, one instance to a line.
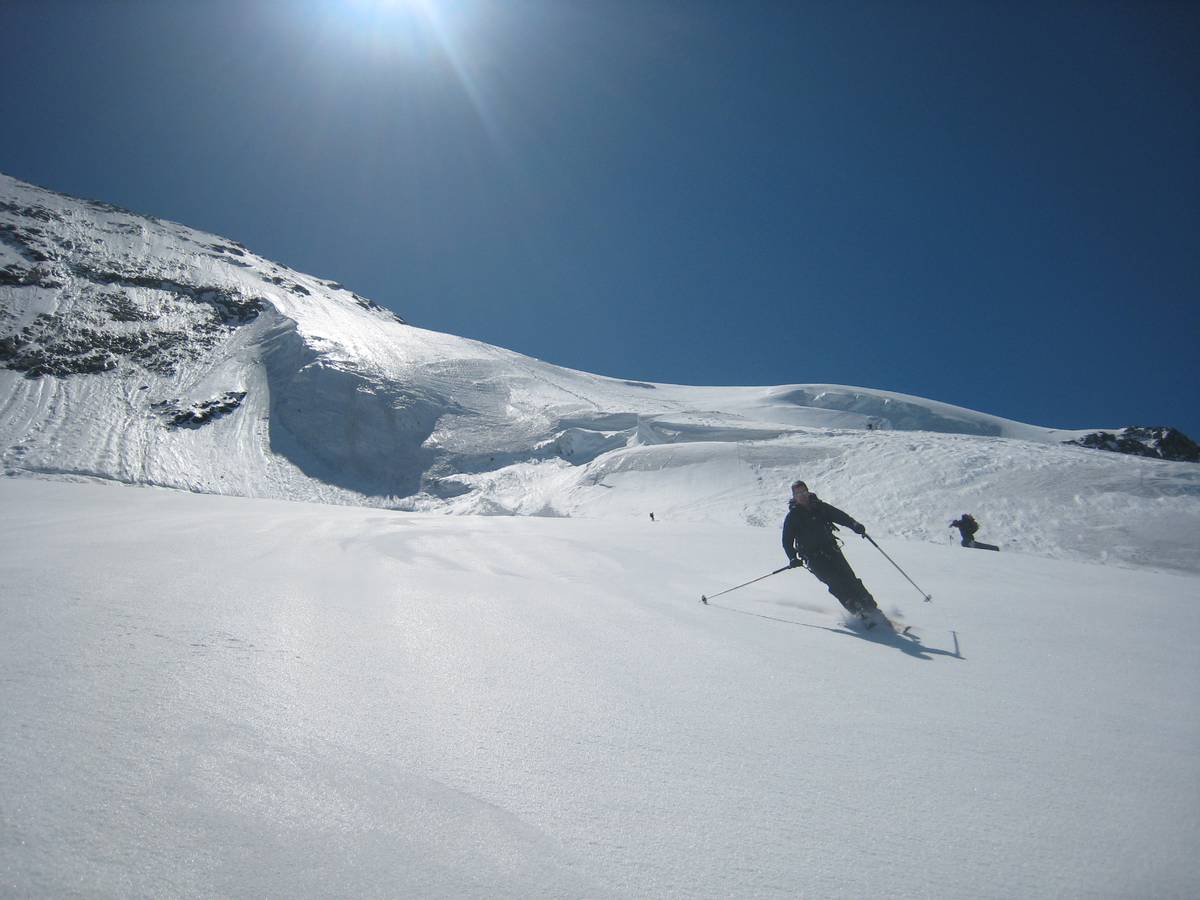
[147, 352]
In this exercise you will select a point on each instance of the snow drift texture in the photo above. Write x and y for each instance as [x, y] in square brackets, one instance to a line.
[218, 697]
[147, 352]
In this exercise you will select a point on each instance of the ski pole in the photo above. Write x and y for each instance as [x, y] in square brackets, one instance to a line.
[704, 599]
[928, 597]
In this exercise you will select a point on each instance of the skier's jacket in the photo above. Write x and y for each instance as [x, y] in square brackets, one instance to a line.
[808, 530]
[967, 525]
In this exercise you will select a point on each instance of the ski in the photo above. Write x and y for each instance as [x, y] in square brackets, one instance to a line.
[877, 618]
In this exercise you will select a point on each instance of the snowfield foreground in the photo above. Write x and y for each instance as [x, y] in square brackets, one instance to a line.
[218, 696]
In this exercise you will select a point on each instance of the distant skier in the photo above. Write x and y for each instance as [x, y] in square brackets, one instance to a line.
[967, 526]
[651, 517]
[808, 540]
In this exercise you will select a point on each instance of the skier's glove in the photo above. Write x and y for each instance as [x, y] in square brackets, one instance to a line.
[797, 564]
[859, 528]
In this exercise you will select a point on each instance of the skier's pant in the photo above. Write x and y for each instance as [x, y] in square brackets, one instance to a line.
[977, 545]
[831, 567]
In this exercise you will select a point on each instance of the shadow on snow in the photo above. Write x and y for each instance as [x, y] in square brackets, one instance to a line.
[909, 644]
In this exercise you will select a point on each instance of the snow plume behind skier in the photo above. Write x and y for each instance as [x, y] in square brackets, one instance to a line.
[808, 540]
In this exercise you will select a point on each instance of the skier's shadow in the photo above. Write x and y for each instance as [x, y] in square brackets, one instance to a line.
[909, 644]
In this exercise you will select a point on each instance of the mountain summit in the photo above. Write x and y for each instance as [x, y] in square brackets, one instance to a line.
[143, 351]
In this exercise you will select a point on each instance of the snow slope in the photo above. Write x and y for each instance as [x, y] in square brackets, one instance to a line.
[116, 327]
[216, 696]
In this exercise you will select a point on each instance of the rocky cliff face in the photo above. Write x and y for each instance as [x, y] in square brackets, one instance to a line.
[112, 298]
[1156, 442]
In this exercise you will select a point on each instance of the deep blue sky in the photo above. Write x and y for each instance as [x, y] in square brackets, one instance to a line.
[990, 204]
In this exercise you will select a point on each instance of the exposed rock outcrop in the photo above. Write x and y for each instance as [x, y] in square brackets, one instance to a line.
[1157, 442]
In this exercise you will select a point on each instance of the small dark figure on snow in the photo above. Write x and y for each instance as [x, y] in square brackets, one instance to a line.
[967, 526]
[808, 540]
[651, 517]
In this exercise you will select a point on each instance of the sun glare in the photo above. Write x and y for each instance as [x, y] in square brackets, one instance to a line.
[389, 10]
[400, 28]
[422, 34]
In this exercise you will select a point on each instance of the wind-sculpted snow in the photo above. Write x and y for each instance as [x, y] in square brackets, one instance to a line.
[146, 352]
[894, 411]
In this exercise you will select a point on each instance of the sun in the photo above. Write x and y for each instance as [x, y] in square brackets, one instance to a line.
[400, 30]
[429, 35]
[389, 9]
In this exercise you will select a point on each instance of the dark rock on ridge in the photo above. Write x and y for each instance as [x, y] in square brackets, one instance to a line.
[1154, 441]
[196, 414]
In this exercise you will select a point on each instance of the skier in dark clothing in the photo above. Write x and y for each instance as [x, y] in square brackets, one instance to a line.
[808, 540]
[967, 526]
